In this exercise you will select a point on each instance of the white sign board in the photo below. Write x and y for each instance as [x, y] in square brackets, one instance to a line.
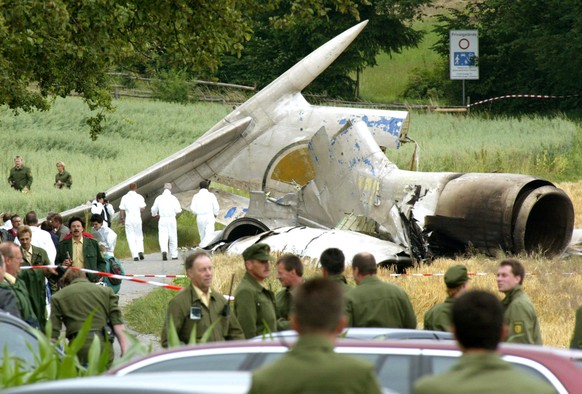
[464, 53]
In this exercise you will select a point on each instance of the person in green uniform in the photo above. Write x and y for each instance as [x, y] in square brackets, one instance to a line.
[312, 366]
[200, 307]
[374, 303]
[35, 279]
[7, 298]
[478, 327]
[290, 274]
[439, 316]
[254, 303]
[12, 260]
[72, 306]
[20, 177]
[576, 342]
[520, 315]
[80, 250]
[333, 264]
[62, 178]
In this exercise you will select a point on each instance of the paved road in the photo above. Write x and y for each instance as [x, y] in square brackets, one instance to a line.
[152, 264]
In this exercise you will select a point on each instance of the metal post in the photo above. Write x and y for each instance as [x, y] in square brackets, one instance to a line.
[463, 93]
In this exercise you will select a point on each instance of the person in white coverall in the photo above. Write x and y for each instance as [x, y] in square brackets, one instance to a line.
[167, 206]
[205, 207]
[101, 206]
[130, 208]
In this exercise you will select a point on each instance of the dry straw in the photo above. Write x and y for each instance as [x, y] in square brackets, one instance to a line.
[554, 286]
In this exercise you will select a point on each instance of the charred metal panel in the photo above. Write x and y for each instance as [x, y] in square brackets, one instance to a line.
[503, 211]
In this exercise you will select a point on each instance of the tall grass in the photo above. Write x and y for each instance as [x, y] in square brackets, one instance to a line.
[547, 147]
[136, 136]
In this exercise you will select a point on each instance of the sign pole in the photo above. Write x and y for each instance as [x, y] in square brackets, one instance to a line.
[464, 56]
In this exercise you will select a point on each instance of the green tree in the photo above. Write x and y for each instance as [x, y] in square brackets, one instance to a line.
[280, 42]
[50, 48]
[529, 46]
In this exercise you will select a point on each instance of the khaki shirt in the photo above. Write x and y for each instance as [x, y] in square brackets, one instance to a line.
[93, 259]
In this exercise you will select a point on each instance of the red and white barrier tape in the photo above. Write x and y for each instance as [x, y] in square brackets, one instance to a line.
[508, 96]
[435, 274]
[155, 276]
[133, 277]
[107, 274]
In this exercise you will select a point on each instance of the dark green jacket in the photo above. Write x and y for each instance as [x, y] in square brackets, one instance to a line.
[576, 342]
[93, 258]
[226, 328]
[73, 304]
[312, 367]
[8, 302]
[482, 373]
[20, 178]
[65, 178]
[341, 280]
[22, 301]
[36, 283]
[520, 316]
[283, 308]
[439, 316]
[254, 307]
[374, 303]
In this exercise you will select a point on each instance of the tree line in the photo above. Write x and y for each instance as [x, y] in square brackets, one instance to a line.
[52, 48]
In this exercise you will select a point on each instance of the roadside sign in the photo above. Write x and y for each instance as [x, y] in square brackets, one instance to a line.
[464, 54]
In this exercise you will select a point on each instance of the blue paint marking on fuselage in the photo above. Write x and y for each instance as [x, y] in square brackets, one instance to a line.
[230, 213]
[386, 124]
[369, 163]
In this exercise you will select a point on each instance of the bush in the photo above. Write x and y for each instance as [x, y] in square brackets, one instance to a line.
[171, 87]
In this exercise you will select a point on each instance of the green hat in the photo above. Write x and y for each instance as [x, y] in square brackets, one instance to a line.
[456, 276]
[261, 252]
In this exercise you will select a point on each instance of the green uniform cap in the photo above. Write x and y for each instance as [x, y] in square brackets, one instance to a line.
[261, 252]
[456, 276]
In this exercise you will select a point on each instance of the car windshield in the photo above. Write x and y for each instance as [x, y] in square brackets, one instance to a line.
[17, 342]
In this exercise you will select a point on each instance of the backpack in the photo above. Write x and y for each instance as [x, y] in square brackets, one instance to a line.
[116, 268]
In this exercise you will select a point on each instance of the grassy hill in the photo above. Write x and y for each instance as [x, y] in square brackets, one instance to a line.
[387, 81]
